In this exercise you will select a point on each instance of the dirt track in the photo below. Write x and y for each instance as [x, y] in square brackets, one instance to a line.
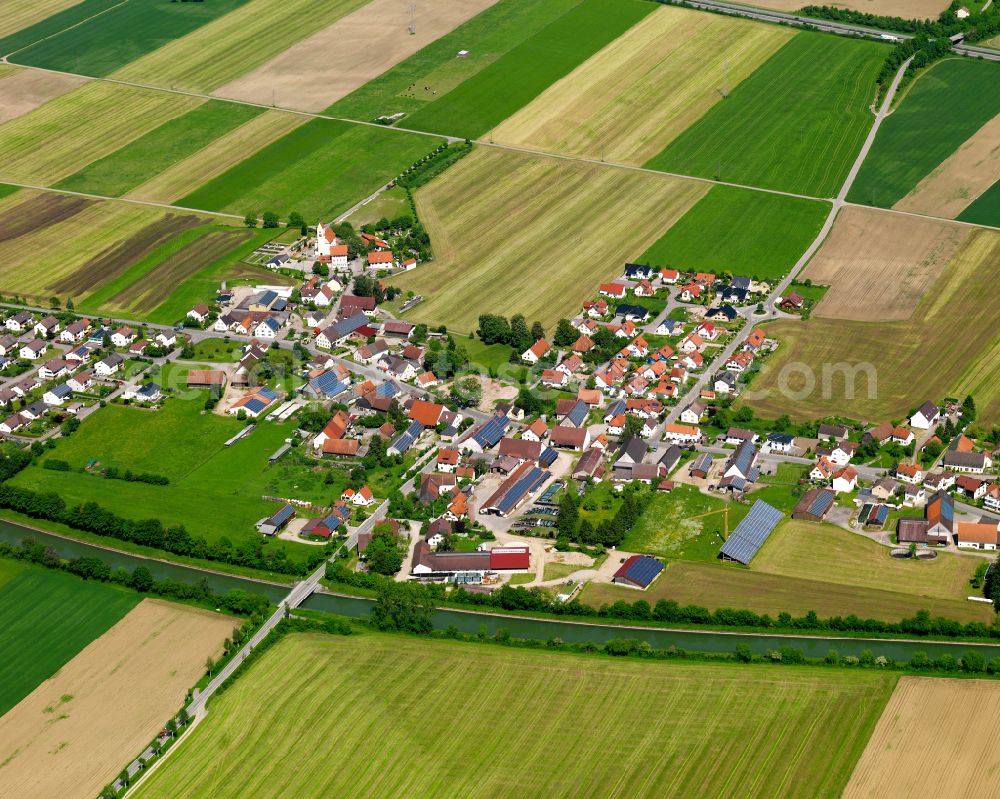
[936, 737]
[75, 732]
[879, 264]
[115, 259]
[319, 70]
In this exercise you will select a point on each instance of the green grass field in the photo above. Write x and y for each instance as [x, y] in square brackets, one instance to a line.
[487, 98]
[46, 618]
[150, 154]
[429, 74]
[986, 208]
[943, 108]
[319, 169]
[78, 40]
[489, 356]
[796, 124]
[739, 231]
[615, 728]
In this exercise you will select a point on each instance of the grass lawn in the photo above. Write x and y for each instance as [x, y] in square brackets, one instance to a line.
[825, 552]
[492, 94]
[717, 585]
[156, 151]
[807, 729]
[556, 571]
[124, 31]
[944, 107]
[389, 204]
[493, 249]
[667, 527]
[930, 350]
[742, 232]
[796, 124]
[488, 356]
[319, 169]
[46, 618]
[218, 350]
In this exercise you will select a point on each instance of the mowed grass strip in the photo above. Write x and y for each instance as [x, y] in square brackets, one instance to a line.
[159, 149]
[432, 72]
[620, 728]
[18, 14]
[501, 222]
[631, 99]
[823, 365]
[796, 124]
[234, 43]
[217, 157]
[740, 231]
[521, 74]
[943, 108]
[318, 169]
[64, 135]
[46, 618]
[714, 585]
[90, 44]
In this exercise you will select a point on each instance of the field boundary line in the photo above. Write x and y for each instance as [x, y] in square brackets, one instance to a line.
[928, 217]
[61, 32]
[162, 758]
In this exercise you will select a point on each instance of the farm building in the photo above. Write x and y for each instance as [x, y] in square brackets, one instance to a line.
[751, 533]
[814, 505]
[977, 535]
[873, 516]
[466, 567]
[206, 378]
[638, 571]
[525, 480]
[701, 466]
[274, 523]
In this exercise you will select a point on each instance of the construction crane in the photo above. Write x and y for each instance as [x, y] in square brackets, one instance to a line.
[725, 518]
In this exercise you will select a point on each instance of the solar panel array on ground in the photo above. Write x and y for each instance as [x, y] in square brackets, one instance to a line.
[751, 533]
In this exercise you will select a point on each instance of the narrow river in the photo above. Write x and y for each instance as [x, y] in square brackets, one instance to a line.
[517, 626]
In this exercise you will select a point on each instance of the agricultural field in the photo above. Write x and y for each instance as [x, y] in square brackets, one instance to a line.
[233, 44]
[319, 169]
[766, 234]
[631, 99]
[931, 350]
[505, 237]
[828, 553]
[714, 585]
[98, 241]
[153, 153]
[487, 98]
[72, 131]
[879, 265]
[907, 9]
[986, 209]
[796, 124]
[71, 736]
[361, 45]
[96, 37]
[933, 154]
[18, 14]
[222, 154]
[956, 719]
[673, 718]
[432, 72]
[24, 90]
[48, 617]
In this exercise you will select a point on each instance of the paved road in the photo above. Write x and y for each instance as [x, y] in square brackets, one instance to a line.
[707, 375]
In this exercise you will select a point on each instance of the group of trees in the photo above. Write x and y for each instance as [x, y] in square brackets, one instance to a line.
[367, 286]
[445, 359]
[609, 532]
[496, 329]
[269, 219]
[384, 553]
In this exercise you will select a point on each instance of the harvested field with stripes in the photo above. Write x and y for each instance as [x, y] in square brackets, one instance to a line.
[631, 99]
[74, 733]
[509, 250]
[948, 346]
[620, 728]
[956, 720]
[907, 9]
[232, 45]
[24, 90]
[18, 14]
[319, 70]
[72, 131]
[878, 265]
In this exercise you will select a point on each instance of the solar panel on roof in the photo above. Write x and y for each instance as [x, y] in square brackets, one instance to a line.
[528, 482]
[643, 570]
[282, 515]
[751, 533]
[866, 510]
[255, 405]
[821, 503]
[548, 456]
[491, 432]
[579, 413]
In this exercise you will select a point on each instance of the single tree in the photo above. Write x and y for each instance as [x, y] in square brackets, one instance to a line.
[250, 219]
